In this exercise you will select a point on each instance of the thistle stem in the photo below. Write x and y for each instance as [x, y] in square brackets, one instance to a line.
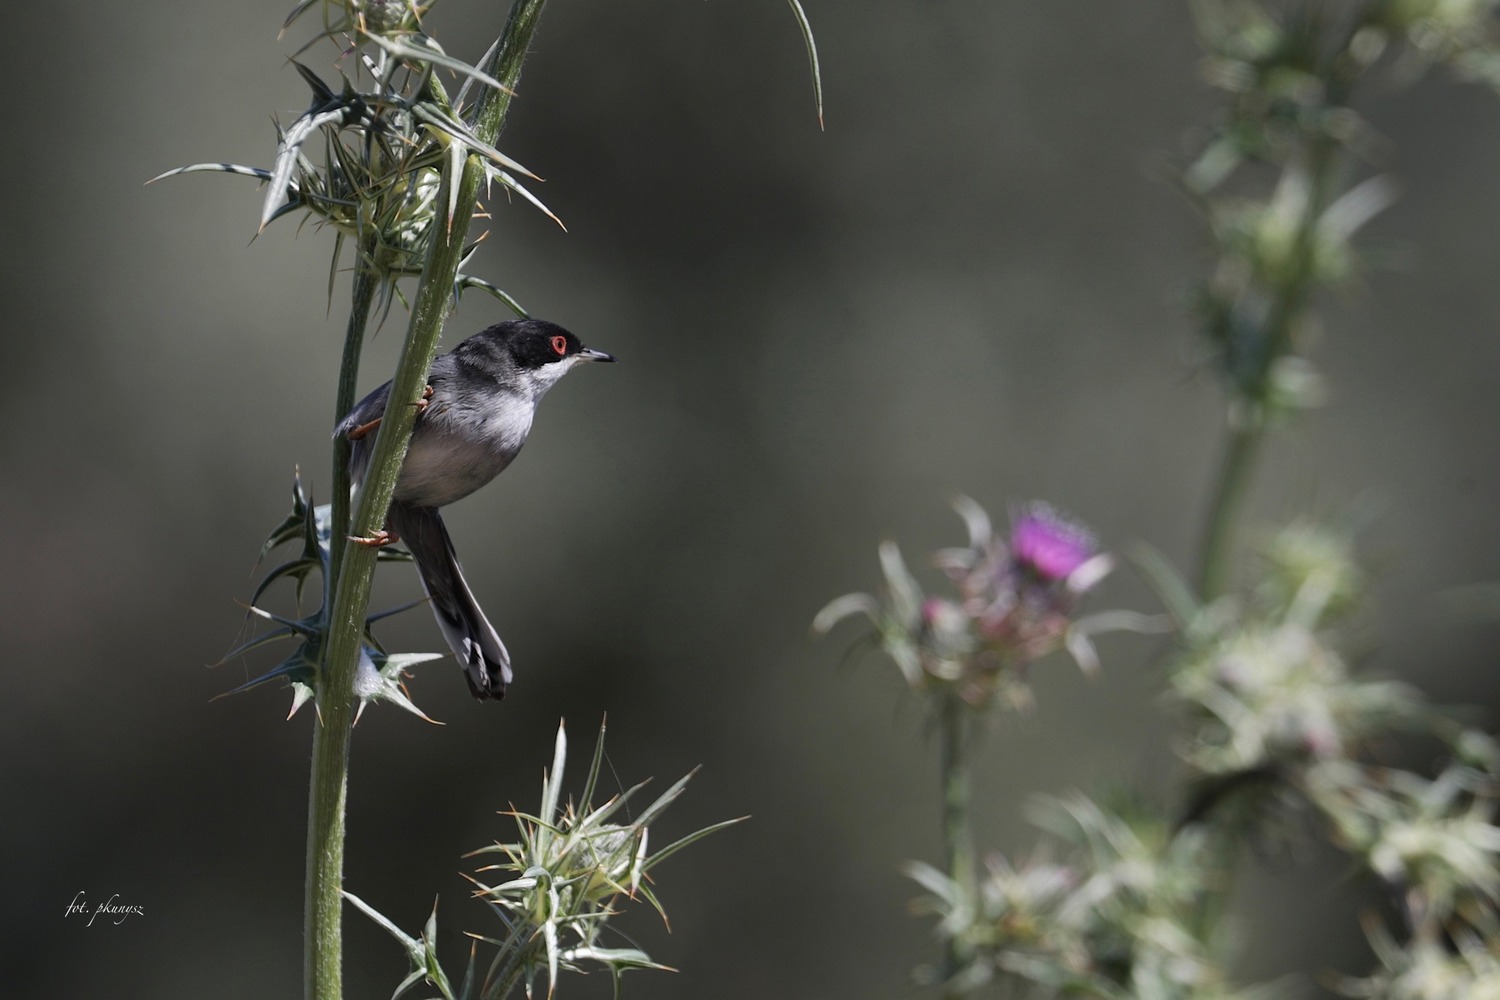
[1229, 810]
[366, 281]
[513, 973]
[336, 702]
[1235, 472]
[327, 786]
[1246, 434]
[958, 845]
[1289, 299]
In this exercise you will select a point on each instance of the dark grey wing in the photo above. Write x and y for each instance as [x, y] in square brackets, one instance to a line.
[371, 410]
[366, 411]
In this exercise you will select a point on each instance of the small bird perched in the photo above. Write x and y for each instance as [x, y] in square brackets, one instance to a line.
[471, 422]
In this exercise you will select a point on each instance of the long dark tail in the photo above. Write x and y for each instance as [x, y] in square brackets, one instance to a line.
[475, 643]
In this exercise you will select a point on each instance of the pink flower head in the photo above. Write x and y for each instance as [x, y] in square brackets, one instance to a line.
[1048, 545]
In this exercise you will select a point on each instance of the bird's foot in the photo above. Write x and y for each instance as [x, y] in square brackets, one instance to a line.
[355, 433]
[379, 540]
[363, 430]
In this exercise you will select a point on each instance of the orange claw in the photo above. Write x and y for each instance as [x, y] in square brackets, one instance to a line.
[355, 433]
[380, 539]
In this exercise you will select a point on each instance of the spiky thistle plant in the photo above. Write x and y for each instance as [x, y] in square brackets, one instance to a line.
[394, 164]
[378, 674]
[1279, 736]
[1272, 716]
[1278, 183]
[1284, 181]
[1111, 919]
[562, 881]
[1015, 602]
[402, 169]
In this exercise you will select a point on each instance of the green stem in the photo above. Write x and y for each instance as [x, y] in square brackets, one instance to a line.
[958, 845]
[1246, 433]
[1228, 812]
[513, 973]
[1235, 470]
[1289, 298]
[366, 282]
[1249, 412]
[327, 786]
[336, 701]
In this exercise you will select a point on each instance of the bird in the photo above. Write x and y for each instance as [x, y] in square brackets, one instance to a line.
[472, 420]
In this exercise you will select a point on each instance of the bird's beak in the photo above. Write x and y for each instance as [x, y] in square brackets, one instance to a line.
[589, 354]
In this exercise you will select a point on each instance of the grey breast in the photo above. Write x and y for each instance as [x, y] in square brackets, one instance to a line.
[461, 445]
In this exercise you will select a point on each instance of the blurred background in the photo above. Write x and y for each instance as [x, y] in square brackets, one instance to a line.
[975, 280]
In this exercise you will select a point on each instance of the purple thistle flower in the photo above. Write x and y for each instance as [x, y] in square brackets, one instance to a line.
[1049, 545]
[1015, 605]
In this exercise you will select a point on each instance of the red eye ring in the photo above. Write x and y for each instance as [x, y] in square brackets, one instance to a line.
[560, 345]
